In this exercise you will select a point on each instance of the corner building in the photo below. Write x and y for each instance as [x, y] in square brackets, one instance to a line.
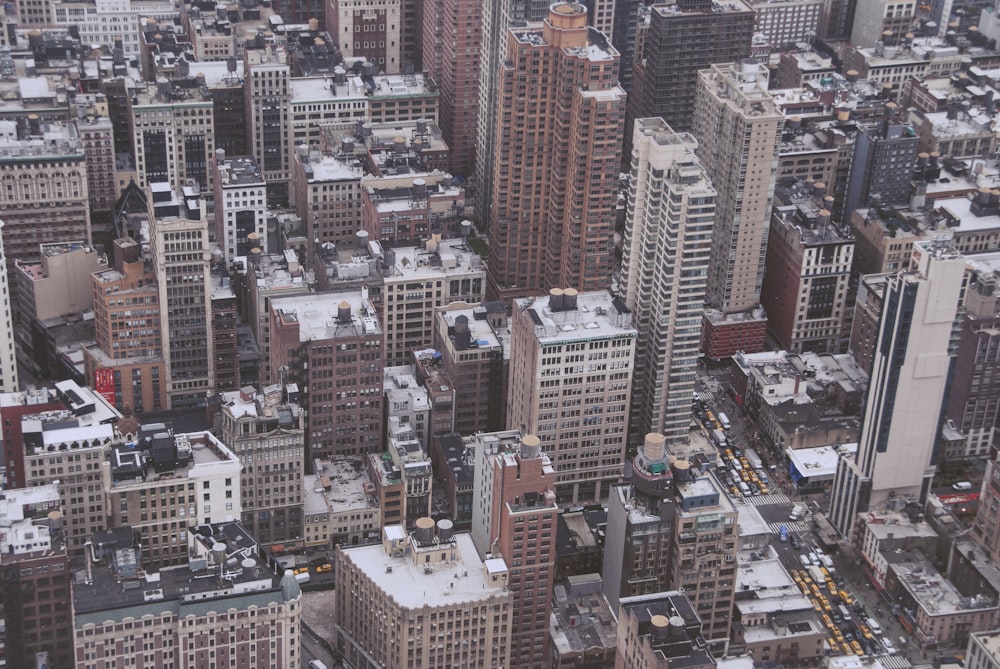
[559, 125]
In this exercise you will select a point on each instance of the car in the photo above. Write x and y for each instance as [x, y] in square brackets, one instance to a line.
[301, 570]
[323, 568]
[796, 542]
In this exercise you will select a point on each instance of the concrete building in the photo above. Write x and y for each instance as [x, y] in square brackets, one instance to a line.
[242, 612]
[884, 156]
[474, 347]
[547, 226]
[97, 137]
[8, 350]
[338, 358]
[404, 210]
[497, 17]
[35, 579]
[372, 31]
[886, 21]
[983, 651]
[44, 169]
[883, 534]
[582, 637]
[661, 529]
[974, 399]
[126, 365]
[683, 39]
[454, 468]
[407, 405]
[788, 22]
[514, 518]
[659, 631]
[109, 22]
[452, 36]
[327, 196]
[809, 259]
[266, 431]
[571, 365]
[340, 507]
[897, 454]
[664, 263]
[73, 433]
[986, 527]
[240, 206]
[732, 101]
[441, 393]
[268, 95]
[410, 463]
[178, 226]
[166, 482]
[427, 596]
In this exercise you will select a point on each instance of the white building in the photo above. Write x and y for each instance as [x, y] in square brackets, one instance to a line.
[101, 22]
[8, 360]
[19, 509]
[910, 373]
[571, 364]
[668, 233]
[240, 206]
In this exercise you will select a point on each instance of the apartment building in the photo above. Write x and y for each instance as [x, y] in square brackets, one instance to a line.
[240, 206]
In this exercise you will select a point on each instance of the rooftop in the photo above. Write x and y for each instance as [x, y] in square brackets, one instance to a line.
[595, 315]
[929, 588]
[329, 315]
[243, 577]
[818, 462]
[159, 454]
[460, 457]
[460, 579]
[340, 485]
[581, 620]
[239, 171]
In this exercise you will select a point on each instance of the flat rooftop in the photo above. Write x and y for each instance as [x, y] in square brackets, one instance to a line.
[341, 484]
[597, 314]
[413, 586]
[581, 622]
[318, 315]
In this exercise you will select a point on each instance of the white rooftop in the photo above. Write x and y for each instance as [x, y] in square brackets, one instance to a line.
[817, 462]
[595, 316]
[317, 315]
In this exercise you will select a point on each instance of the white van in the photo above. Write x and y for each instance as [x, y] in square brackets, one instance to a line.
[317, 664]
[724, 419]
[874, 626]
[962, 485]
[805, 561]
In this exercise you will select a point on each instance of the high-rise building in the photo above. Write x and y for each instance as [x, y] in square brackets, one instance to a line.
[732, 102]
[34, 579]
[268, 94]
[882, 166]
[97, 137]
[668, 233]
[452, 38]
[8, 354]
[229, 605]
[514, 517]
[882, 20]
[165, 482]
[557, 159]
[809, 261]
[326, 194]
[660, 631]
[240, 206]
[785, 23]
[571, 365]
[266, 431]
[335, 357]
[673, 527]
[974, 398]
[179, 251]
[425, 598]
[497, 17]
[684, 38]
[372, 30]
[897, 455]
[56, 450]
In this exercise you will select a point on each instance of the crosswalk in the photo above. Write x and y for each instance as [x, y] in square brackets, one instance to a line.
[799, 526]
[769, 499]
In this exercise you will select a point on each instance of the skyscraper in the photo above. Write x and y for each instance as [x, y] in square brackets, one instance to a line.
[738, 128]
[684, 38]
[555, 173]
[664, 263]
[571, 363]
[514, 517]
[896, 456]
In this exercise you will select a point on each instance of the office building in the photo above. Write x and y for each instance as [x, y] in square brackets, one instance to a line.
[407, 404]
[732, 101]
[571, 364]
[268, 93]
[35, 579]
[266, 431]
[108, 23]
[582, 637]
[126, 365]
[514, 517]
[166, 482]
[973, 404]
[660, 631]
[97, 137]
[225, 342]
[326, 194]
[426, 598]
[179, 251]
[44, 167]
[452, 35]
[497, 17]
[473, 344]
[886, 21]
[8, 353]
[230, 604]
[373, 31]
[882, 167]
[550, 225]
[405, 209]
[337, 357]
[809, 259]
[664, 262]
[682, 39]
[897, 454]
[785, 23]
[240, 206]
[339, 504]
